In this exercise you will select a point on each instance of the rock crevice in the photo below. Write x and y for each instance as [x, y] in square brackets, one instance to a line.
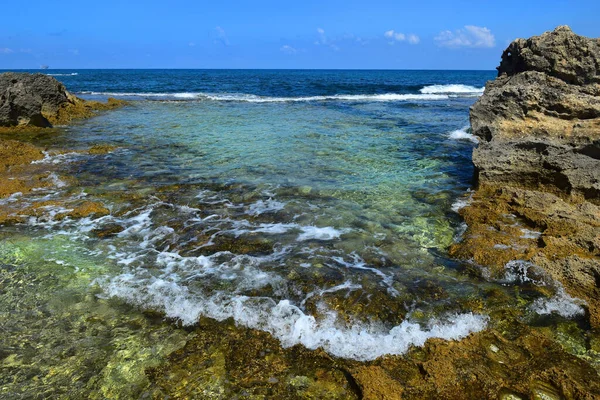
[539, 161]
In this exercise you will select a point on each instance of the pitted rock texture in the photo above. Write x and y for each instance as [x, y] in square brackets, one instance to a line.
[38, 100]
[539, 121]
[27, 99]
[538, 165]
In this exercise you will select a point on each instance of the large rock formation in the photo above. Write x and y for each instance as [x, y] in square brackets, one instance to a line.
[538, 164]
[539, 121]
[42, 101]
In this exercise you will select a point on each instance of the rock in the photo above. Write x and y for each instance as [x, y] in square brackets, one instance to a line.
[42, 101]
[538, 164]
[25, 99]
[539, 121]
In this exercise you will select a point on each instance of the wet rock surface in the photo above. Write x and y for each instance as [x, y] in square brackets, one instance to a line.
[538, 166]
[38, 100]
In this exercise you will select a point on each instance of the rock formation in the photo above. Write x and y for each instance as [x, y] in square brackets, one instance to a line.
[538, 164]
[41, 101]
[539, 121]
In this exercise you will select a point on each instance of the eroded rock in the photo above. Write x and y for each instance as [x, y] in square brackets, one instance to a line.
[39, 100]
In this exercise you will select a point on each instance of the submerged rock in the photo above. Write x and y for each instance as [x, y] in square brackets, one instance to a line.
[41, 101]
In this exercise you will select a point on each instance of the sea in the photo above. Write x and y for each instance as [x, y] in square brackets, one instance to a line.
[316, 205]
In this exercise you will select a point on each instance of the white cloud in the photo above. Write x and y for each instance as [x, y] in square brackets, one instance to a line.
[192, 44]
[324, 41]
[470, 36]
[413, 39]
[287, 49]
[401, 37]
[322, 38]
[221, 36]
[74, 51]
[5, 50]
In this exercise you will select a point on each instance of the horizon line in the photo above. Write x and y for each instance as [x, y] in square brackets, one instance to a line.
[251, 69]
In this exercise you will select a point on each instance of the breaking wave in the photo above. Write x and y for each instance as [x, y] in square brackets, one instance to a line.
[251, 98]
[71, 74]
[454, 89]
[463, 134]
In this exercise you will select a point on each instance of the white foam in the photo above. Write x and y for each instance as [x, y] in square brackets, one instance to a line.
[463, 134]
[462, 202]
[50, 158]
[287, 322]
[453, 89]
[251, 98]
[528, 234]
[71, 74]
[561, 303]
[262, 207]
[56, 181]
[519, 271]
[316, 233]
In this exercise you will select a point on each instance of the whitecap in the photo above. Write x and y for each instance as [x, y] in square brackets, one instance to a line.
[455, 89]
[463, 134]
[251, 98]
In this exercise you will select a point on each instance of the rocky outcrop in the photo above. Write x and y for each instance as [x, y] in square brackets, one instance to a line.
[539, 121]
[538, 164]
[41, 101]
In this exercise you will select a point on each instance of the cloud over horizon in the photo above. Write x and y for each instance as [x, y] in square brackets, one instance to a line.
[287, 49]
[471, 36]
[324, 41]
[401, 37]
[221, 36]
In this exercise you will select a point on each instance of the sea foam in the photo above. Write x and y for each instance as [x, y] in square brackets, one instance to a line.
[251, 98]
[463, 134]
[287, 322]
[453, 89]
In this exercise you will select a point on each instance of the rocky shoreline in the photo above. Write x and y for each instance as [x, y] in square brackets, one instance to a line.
[38, 100]
[537, 203]
[538, 162]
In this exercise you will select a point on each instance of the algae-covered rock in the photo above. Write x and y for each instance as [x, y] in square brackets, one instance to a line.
[538, 164]
[41, 101]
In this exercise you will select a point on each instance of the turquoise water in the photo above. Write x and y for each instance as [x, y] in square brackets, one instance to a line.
[315, 205]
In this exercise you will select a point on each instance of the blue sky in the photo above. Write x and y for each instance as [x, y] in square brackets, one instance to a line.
[278, 34]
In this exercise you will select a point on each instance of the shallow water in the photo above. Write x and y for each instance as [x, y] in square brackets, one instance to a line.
[316, 206]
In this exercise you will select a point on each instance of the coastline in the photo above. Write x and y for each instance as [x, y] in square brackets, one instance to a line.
[507, 360]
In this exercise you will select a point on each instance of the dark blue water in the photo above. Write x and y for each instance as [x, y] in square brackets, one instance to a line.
[275, 83]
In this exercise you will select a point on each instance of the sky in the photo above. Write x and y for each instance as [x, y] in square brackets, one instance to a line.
[349, 34]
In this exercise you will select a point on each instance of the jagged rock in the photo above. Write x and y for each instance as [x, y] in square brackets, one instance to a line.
[42, 101]
[538, 164]
[26, 99]
[539, 121]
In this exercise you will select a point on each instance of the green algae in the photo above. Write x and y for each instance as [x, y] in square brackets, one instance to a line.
[59, 338]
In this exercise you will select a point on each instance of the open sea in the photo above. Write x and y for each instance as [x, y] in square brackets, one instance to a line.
[315, 205]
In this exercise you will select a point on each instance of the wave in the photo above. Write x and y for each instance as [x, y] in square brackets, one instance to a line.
[463, 134]
[288, 322]
[454, 89]
[251, 98]
[71, 74]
